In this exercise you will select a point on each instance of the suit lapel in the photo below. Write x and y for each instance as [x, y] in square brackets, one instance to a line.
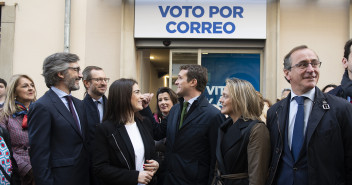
[81, 114]
[145, 139]
[126, 138]
[173, 124]
[93, 109]
[62, 109]
[218, 145]
[316, 114]
[194, 111]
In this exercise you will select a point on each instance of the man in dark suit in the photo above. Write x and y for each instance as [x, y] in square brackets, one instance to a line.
[311, 132]
[192, 127]
[345, 89]
[58, 126]
[95, 82]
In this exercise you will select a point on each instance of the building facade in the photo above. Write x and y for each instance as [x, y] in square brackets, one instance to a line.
[104, 33]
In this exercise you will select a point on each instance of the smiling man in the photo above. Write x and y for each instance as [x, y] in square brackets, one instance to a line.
[310, 132]
[57, 129]
[95, 82]
[192, 127]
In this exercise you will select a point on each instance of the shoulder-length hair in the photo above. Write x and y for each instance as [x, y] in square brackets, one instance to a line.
[119, 107]
[9, 105]
[244, 99]
[172, 95]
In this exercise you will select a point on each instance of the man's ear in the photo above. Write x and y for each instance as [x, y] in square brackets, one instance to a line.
[86, 83]
[60, 75]
[344, 62]
[287, 76]
[193, 82]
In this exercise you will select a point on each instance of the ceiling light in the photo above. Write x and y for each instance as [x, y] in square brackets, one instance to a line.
[151, 57]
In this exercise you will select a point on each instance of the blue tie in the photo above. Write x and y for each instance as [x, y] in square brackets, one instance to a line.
[298, 130]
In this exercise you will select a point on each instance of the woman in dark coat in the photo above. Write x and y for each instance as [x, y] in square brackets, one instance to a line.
[243, 146]
[124, 147]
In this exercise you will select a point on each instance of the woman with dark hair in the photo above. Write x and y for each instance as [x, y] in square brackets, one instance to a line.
[21, 93]
[243, 147]
[329, 87]
[166, 98]
[124, 146]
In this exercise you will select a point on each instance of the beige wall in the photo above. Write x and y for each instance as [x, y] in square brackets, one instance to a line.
[321, 25]
[102, 34]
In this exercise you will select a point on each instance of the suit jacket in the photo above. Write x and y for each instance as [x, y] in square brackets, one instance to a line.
[190, 151]
[114, 157]
[243, 147]
[92, 114]
[328, 139]
[59, 150]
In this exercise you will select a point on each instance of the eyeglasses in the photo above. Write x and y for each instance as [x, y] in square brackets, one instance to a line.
[304, 65]
[77, 69]
[99, 80]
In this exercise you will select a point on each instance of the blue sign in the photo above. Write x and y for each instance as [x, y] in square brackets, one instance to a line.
[222, 66]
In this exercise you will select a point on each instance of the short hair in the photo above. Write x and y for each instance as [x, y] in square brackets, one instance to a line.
[119, 107]
[9, 104]
[197, 72]
[347, 49]
[172, 95]
[2, 81]
[87, 75]
[329, 85]
[244, 99]
[287, 59]
[55, 63]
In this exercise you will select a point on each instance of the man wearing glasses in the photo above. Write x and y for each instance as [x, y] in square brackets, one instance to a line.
[311, 132]
[57, 126]
[95, 82]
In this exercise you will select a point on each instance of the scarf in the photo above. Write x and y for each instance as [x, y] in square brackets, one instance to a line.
[21, 110]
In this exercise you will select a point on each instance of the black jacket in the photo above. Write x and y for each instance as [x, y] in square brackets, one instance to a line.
[328, 136]
[113, 156]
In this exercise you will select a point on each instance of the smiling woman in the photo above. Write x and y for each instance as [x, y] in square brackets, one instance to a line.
[122, 133]
[21, 93]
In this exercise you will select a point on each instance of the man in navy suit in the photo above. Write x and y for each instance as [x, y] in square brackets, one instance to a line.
[310, 132]
[95, 82]
[191, 137]
[58, 126]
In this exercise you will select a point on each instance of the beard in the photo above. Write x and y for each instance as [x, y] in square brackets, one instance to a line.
[70, 82]
[96, 92]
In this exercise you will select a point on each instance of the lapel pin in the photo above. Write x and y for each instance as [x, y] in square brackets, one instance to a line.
[326, 106]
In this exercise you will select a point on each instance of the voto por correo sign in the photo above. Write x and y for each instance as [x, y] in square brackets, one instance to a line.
[200, 19]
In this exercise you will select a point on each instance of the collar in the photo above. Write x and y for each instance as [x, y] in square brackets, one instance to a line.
[192, 100]
[100, 100]
[59, 92]
[310, 94]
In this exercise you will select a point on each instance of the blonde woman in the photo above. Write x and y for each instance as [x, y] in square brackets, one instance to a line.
[21, 93]
[243, 147]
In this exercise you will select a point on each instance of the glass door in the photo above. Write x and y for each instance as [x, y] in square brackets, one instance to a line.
[179, 58]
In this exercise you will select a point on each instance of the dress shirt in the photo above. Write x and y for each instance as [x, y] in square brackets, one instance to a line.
[308, 105]
[62, 95]
[191, 102]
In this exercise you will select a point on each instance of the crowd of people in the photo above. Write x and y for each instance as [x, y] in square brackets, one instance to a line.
[303, 139]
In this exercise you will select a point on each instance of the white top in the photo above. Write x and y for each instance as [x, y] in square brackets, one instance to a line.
[308, 105]
[138, 146]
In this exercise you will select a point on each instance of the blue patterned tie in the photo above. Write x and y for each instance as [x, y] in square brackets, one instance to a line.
[298, 130]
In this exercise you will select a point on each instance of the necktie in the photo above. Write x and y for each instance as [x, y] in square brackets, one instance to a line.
[183, 113]
[298, 135]
[97, 104]
[72, 110]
